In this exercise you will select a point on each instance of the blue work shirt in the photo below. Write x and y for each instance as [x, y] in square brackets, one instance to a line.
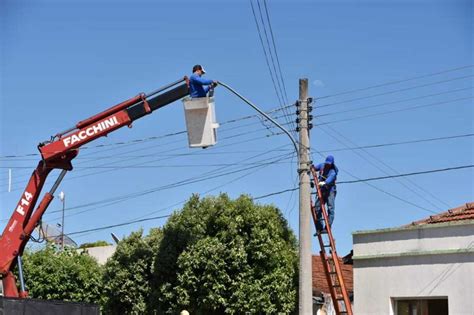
[198, 86]
[328, 175]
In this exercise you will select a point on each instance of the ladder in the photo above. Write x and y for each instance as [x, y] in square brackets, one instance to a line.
[331, 264]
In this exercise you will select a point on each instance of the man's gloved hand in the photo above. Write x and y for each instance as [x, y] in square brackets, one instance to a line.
[321, 184]
[214, 83]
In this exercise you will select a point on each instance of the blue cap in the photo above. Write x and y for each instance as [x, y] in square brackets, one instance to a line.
[329, 159]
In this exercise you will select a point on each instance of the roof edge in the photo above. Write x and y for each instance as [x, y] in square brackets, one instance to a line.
[416, 253]
[414, 227]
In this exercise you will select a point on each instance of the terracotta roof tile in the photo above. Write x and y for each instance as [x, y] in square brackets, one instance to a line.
[464, 212]
[319, 278]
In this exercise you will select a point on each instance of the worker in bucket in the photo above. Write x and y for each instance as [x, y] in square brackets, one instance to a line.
[327, 184]
[198, 86]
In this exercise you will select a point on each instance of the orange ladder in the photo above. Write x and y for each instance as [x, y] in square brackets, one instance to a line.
[331, 264]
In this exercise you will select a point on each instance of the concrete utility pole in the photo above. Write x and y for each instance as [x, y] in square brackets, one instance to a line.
[305, 276]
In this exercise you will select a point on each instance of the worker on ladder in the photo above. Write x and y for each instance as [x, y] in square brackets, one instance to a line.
[327, 183]
[198, 86]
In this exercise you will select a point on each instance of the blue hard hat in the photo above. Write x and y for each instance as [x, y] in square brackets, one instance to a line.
[329, 159]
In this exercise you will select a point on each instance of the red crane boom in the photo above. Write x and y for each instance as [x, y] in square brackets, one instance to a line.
[58, 154]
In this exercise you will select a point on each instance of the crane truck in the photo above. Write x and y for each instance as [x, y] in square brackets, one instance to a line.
[58, 153]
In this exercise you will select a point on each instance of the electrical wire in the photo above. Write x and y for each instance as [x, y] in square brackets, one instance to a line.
[390, 103]
[383, 191]
[265, 53]
[180, 202]
[167, 151]
[275, 52]
[194, 179]
[395, 82]
[116, 225]
[274, 75]
[454, 168]
[396, 91]
[381, 145]
[397, 110]
[372, 156]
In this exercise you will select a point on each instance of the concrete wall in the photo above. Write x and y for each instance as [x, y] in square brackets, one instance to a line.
[416, 262]
[101, 253]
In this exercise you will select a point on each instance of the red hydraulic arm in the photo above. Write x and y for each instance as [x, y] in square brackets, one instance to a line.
[58, 154]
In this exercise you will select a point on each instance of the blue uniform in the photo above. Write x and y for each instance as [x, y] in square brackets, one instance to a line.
[327, 174]
[198, 86]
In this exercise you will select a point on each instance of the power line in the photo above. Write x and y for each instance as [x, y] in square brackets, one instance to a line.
[273, 194]
[390, 103]
[384, 191]
[380, 145]
[134, 141]
[117, 225]
[289, 118]
[370, 146]
[152, 138]
[198, 178]
[175, 204]
[275, 49]
[270, 52]
[393, 170]
[396, 91]
[396, 111]
[191, 180]
[265, 53]
[395, 82]
[171, 150]
[274, 76]
[377, 178]
[408, 174]
[152, 166]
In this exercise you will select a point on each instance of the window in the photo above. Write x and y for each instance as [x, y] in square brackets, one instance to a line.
[437, 306]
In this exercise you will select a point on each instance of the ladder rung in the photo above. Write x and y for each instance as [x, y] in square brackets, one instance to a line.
[327, 245]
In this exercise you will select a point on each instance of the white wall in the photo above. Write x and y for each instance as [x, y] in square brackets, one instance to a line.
[101, 253]
[415, 262]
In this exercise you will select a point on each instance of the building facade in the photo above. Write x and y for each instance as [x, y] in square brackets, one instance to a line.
[425, 268]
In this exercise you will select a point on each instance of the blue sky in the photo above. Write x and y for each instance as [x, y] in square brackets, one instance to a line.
[63, 61]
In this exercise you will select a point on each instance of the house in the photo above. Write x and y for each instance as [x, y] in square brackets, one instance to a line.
[424, 268]
[322, 302]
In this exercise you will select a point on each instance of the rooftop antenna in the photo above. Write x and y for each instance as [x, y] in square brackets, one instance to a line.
[115, 237]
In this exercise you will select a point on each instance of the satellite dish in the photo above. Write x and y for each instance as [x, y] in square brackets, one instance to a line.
[52, 234]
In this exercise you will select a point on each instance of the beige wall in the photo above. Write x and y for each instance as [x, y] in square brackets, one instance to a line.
[418, 262]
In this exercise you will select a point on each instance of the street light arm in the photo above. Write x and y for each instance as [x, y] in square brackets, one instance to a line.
[264, 114]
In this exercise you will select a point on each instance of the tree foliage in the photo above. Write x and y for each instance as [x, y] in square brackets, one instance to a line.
[128, 273]
[216, 256]
[223, 256]
[62, 275]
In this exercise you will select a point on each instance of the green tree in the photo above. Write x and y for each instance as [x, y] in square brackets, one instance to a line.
[128, 273]
[62, 275]
[223, 256]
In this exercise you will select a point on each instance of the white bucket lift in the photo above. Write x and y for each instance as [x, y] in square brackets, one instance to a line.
[200, 121]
